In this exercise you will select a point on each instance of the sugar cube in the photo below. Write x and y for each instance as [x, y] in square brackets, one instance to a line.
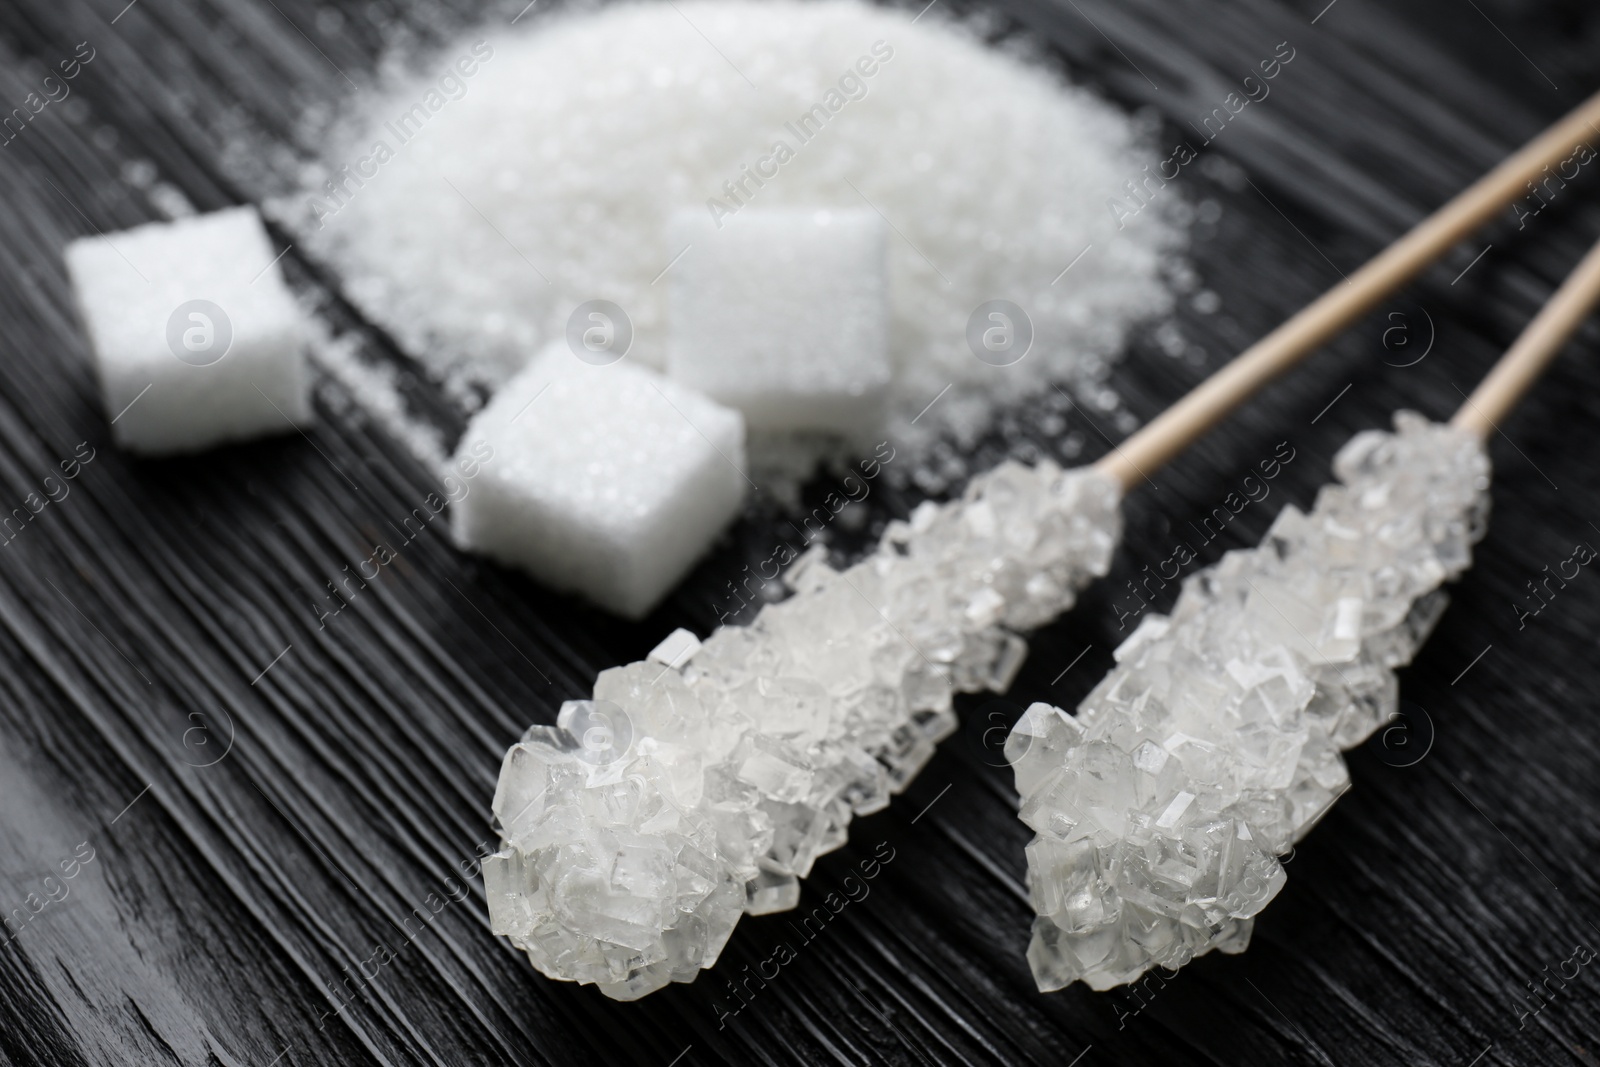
[783, 313]
[196, 338]
[608, 481]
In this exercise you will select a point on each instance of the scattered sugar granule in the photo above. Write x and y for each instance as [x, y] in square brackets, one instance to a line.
[471, 210]
[374, 387]
[196, 339]
[609, 481]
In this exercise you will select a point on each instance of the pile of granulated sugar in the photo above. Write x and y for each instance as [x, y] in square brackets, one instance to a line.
[536, 169]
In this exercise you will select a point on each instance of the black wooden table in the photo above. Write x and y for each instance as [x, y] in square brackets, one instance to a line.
[232, 834]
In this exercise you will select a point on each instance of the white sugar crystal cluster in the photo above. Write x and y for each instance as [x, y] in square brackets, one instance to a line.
[1214, 743]
[704, 782]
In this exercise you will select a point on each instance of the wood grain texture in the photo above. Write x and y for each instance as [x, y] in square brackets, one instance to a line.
[283, 888]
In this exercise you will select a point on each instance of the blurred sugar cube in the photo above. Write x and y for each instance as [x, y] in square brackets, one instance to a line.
[608, 481]
[196, 338]
[784, 314]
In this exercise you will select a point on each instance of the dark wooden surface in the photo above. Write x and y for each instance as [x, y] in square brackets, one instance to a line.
[283, 826]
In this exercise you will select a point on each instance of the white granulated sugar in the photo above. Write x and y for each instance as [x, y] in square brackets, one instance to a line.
[784, 315]
[535, 170]
[374, 387]
[609, 481]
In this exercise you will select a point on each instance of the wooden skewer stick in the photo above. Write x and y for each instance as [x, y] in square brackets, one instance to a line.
[1533, 350]
[1206, 405]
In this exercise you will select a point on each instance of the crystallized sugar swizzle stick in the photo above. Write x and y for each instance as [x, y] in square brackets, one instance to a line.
[703, 783]
[1160, 809]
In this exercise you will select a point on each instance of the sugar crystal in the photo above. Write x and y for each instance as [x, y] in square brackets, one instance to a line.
[1213, 744]
[717, 784]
